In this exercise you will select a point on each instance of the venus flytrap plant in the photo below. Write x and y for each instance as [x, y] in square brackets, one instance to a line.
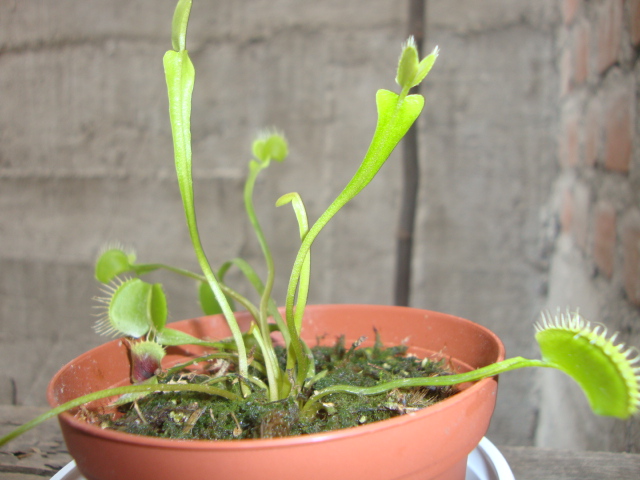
[137, 310]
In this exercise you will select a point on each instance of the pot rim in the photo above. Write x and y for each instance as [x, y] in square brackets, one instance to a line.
[155, 442]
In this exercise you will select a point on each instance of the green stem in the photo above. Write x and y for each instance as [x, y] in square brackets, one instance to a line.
[443, 380]
[303, 225]
[245, 302]
[273, 312]
[297, 350]
[257, 284]
[255, 167]
[144, 268]
[205, 358]
[271, 365]
[117, 391]
[236, 333]
[266, 345]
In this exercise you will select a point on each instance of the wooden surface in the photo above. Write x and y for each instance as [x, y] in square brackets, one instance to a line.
[40, 453]
[37, 454]
[529, 463]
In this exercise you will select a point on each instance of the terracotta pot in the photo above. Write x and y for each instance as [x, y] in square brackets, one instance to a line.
[430, 444]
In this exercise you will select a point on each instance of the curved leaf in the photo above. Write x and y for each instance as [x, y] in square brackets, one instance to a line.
[270, 146]
[128, 311]
[112, 263]
[171, 338]
[408, 64]
[158, 307]
[179, 25]
[604, 370]
[208, 301]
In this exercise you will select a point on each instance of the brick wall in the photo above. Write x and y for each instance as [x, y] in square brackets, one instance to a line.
[596, 265]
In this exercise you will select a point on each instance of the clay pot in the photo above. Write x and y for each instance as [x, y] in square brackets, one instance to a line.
[430, 444]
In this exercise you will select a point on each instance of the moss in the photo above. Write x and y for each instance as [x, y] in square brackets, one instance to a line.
[197, 416]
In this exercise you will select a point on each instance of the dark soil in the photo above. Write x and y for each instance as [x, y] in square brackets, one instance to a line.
[188, 415]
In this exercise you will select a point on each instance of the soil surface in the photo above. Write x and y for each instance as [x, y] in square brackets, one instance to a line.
[192, 415]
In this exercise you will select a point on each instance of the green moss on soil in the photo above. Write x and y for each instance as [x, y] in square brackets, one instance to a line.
[190, 415]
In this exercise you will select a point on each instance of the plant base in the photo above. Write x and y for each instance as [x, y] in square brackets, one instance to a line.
[430, 444]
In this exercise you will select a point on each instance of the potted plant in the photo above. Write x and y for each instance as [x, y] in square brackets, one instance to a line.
[296, 391]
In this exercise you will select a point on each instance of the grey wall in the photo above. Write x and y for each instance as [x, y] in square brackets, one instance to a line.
[86, 158]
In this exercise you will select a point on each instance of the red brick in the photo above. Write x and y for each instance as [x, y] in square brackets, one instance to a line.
[618, 124]
[581, 209]
[581, 54]
[569, 10]
[566, 72]
[574, 61]
[604, 238]
[631, 256]
[592, 133]
[634, 14]
[609, 27]
[566, 212]
[569, 141]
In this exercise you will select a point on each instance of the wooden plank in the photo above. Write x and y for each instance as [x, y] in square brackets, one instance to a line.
[37, 454]
[529, 463]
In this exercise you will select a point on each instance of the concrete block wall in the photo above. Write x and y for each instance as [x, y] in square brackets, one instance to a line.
[485, 225]
[596, 262]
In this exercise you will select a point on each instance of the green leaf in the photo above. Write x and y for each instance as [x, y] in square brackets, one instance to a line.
[132, 397]
[277, 148]
[170, 337]
[179, 25]
[112, 263]
[180, 76]
[158, 307]
[298, 208]
[133, 309]
[303, 225]
[270, 146]
[407, 65]
[396, 114]
[394, 119]
[604, 370]
[410, 72]
[208, 301]
[425, 66]
[146, 359]
[129, 307]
